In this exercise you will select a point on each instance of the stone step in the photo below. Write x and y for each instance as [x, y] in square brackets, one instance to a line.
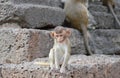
[28, 44]
[18, 45]
[55, 3]
[31, 16]
[100, 8]
[4, 1]
[105, 20]
[97, 8]
[117, 3]
[107, 41]
[80, 66]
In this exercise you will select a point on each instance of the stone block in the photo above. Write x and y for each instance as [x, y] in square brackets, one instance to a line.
[55, 3]
[105, 20]
[18, 45]
[80, 66]
[31, 16]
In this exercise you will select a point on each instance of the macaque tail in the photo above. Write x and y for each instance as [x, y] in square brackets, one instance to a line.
[86, 41]
[113, 13]
[42, 63]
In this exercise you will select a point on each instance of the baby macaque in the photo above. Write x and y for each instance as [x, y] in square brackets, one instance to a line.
[60, 53]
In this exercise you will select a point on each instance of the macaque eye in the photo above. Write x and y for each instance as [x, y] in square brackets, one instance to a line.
[60, 35]
[56, 35]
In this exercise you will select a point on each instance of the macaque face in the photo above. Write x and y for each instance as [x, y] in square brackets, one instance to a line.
[60, 37]
[61, 34]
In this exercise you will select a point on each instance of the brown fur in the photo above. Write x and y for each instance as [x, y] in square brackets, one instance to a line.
[77, 15]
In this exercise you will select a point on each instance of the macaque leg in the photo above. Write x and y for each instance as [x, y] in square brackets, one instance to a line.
[86, 41]
[92, 41]
[51, 58]
[65, 62]
[57, 59]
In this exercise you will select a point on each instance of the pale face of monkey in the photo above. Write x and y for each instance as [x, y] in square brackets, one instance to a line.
[60, 37]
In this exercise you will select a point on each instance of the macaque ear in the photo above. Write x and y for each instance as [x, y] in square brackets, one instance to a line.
[52, 34]
[68, 32]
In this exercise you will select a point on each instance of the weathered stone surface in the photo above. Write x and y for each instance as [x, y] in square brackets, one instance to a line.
[55, 3]
[6, 12]
[19, 45]
[80, 66]
[9, 25]
[108, 41]
[28, 44]
[4, 1]
[101, 8]
[40, 16]
[98, 8]
[105, 20]
[31, 16]
[117, 3]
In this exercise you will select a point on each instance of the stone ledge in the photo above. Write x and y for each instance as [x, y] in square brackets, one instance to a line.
[80, 66]
[18, 45]
[54, 3]
[101, 8]
[105, 20]
[31, 16]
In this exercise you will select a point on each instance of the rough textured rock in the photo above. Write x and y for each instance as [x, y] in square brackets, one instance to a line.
[9, 25]
[28, 44]
[101, 8]
[118, 3]
[0, 72]
[18, 45]
[31, 16]
[55, 3]
[98, 8]
[108, 41]
[80, 66]
[4, 1]
[6, 12]
[105, 20]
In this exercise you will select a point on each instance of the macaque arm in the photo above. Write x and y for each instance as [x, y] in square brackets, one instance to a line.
[51, 58]
[57, 58]
[65, 61]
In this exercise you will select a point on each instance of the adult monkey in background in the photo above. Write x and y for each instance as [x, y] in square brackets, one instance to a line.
[77, 14]
[92, 22]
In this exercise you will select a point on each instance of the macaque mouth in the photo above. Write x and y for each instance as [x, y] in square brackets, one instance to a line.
[62, 40]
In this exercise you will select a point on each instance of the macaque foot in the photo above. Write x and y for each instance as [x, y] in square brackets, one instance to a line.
[62, 70]
[54, 70]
